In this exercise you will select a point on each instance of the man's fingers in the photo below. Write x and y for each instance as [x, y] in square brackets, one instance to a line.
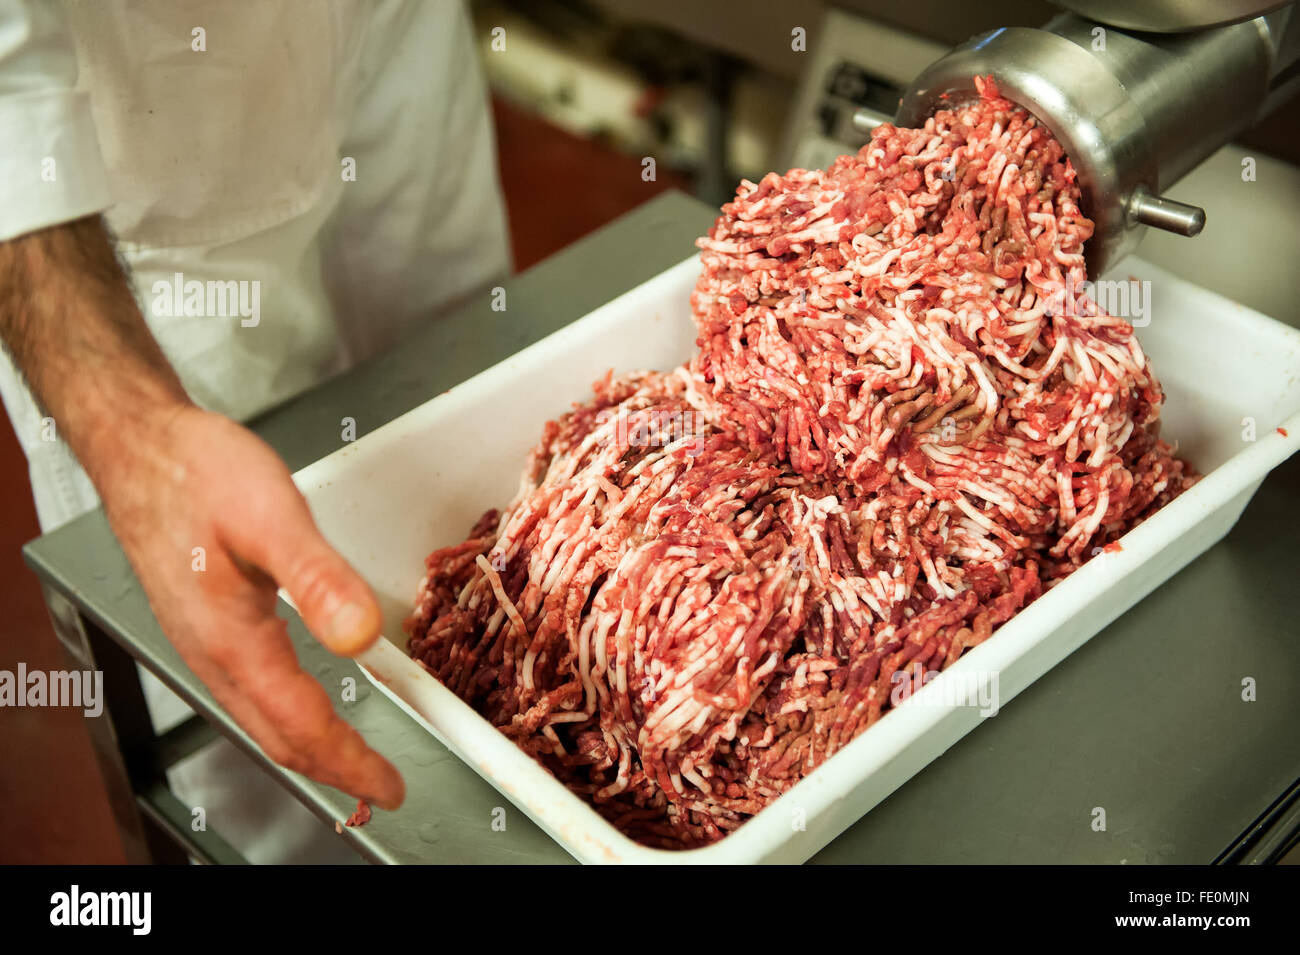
[306, 734]
[244, 712]
[335, 752]
[335, 603]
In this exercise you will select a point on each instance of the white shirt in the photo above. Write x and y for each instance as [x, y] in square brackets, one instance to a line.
[220, 140]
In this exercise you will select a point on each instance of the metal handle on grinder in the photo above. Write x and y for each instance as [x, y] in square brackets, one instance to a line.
[1168, 214]
[866, 119]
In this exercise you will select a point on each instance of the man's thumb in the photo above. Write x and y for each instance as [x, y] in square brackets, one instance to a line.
[334, 602]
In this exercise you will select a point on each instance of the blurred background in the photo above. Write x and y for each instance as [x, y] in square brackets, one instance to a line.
[583, 94]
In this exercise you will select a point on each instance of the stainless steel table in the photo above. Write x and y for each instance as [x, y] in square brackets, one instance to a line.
[1146, 720]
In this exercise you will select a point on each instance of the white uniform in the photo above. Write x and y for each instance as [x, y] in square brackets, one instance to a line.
[333, 158]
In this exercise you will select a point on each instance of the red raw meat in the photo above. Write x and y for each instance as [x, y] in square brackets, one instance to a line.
[901, 425]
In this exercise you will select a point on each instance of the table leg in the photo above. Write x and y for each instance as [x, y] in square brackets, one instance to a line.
[121, 729]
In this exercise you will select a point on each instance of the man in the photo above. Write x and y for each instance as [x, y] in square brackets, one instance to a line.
[290, 185]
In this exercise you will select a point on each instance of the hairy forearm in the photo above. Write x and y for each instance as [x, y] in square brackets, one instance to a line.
[71, 323]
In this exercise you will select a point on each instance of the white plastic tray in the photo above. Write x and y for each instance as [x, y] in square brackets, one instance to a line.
[421, 481]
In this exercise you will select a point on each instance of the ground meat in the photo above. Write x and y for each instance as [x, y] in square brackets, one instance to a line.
[900, 427]
[360, 816]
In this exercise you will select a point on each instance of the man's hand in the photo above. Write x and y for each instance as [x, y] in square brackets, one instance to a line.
[196, 479]
[172, 478]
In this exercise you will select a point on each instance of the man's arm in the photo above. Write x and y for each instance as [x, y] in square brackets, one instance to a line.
[173, 477]
[73, 328]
